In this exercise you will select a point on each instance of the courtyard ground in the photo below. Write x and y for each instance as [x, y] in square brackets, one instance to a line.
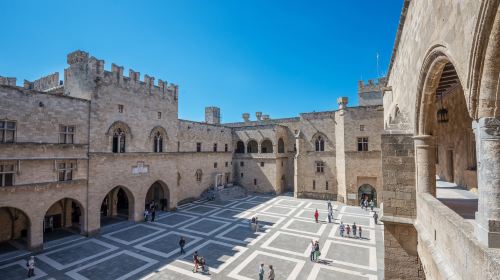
[221, 233]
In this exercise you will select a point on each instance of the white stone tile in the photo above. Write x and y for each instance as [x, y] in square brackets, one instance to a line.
[318, 233]
[372, 258]
[266, 244]
[317, 267]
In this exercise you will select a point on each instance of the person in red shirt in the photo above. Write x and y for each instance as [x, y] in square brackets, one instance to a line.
[316, 215]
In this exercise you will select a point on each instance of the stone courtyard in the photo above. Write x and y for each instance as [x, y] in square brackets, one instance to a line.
[220, 232]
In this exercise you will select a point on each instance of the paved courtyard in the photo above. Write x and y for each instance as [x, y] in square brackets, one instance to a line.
[221, 233]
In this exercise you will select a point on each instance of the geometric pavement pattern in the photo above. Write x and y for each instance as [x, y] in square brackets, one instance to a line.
[221, 233]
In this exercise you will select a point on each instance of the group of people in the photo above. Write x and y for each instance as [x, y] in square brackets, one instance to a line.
[199, 262]
[364, 204]
[347, 229]
[315, 252]
[270, 274]
[150, 211]
[330, 213]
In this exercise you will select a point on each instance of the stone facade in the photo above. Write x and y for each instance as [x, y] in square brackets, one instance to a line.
[441, 97]
[104, 145]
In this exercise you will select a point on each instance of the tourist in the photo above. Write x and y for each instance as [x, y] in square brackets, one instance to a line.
[372, 204]
[360, 232]
[203, 264]
[271, 273]
[146, 214]
[329, 204]
[313, 249]
[316, 215]
[261, 271]
[375, 217]
[366, 204]
[348, 230]
[354, 228]
[342, 228]
[252, 224]
[31, 266]
[196, 262]
[329, 217]
[182, 243]
[317, 253]
[153, 213]
[256, 224]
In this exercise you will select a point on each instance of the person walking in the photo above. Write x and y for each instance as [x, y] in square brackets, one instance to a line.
[329, 217]
[329, 204]
[153, 213]
[261, 271]
[256, 224]
[271, 273]
[366, 204]
[182, 243]
[317, 253]
[354, 228]
[252, 224]
[146, 214]
[372, 204]
[196, 262]
[316, 215]
[360, 232]
[313, 247]
[348, 230]
[31, 266]
[342, 229]
[375, 217]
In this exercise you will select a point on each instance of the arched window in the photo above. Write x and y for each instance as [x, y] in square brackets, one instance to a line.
[320, 144]
[158, 142]
[266, 146]
[252, 147]
[118, 141]
[198, 175]
[281, 146]
[240, 147]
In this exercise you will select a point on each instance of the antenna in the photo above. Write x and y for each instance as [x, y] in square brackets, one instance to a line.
[378, 74]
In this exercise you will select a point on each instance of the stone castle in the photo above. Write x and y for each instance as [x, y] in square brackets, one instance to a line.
[99, 144]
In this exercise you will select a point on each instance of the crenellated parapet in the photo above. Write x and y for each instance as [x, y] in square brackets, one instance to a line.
[89, 71]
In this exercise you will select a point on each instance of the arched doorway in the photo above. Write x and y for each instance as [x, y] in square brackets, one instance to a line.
[14, 229]
[117, 206]
[367, 192]
[62, 219]
[159, 194]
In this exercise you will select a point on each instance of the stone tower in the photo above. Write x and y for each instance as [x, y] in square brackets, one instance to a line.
[370, 94]
[212, 115]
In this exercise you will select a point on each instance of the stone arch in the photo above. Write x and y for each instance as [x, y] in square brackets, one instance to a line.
[368, 192]
[65, 216]
[240, 147]
[266, 146]
[435, 61]
[281, 145]
[252, 146]
[15, 224]
[483, 77]
[119, 125]
[158, 193]
[115, 201]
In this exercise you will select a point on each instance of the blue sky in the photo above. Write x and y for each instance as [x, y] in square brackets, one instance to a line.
[278, 57]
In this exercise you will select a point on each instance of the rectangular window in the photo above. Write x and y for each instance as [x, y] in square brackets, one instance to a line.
[215, 147]
[362, 144]
[326, 185]
[314, 184]
[7, 175]
[159, 115]
[241, 175]
[226, 148]
[255, 181]
[262, 164]
[242, 163]
[198, 147]
[215, 164]
[227, 164]
[66, 134]
[178, 146]
[65, 170]
[361, 128]
[120, 108]
[7, 131]
[320, 167]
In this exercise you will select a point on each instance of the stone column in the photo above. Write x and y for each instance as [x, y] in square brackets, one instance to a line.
[35, 235]
[68, 213]
[425, 164]
[487, 132]
[298, 145]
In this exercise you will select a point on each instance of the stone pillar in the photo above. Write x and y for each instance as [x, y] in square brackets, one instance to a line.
[296, 183]
[137, 209]
[113, 203]
[425, 154]
[68, 215]
[35, 236]
[487, 132]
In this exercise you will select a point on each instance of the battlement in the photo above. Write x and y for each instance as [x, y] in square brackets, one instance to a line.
[46, 83]
[80, 61]
[8, 81]
[371, 85]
